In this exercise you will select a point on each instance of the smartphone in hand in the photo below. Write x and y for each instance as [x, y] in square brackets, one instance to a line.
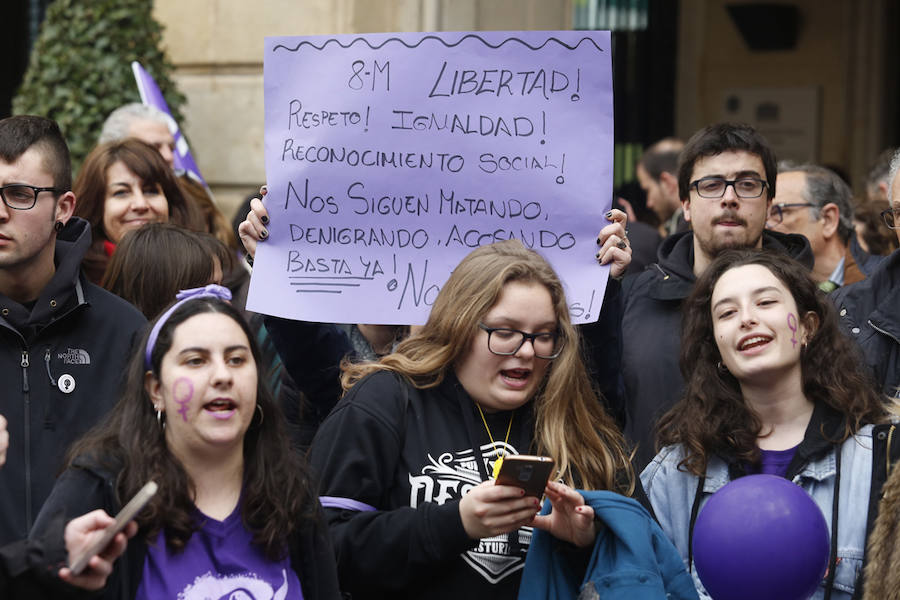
[129, 512]
[526, 471]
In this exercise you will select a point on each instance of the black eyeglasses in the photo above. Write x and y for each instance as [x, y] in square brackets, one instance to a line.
[714, 187]
[776, 211]
[506, 342]
[20, 196]
[891, 217]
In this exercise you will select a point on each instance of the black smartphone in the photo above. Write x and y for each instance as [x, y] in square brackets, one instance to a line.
[526, 471]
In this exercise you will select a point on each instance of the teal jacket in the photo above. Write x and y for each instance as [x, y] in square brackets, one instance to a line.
[632, 559]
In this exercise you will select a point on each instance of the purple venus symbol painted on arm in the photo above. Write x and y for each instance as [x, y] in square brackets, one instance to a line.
[792, 325]
[182, 392]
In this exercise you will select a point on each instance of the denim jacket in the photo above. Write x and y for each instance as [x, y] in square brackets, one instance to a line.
[671, 492]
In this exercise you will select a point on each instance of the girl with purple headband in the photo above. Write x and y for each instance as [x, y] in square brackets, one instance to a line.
[236, 511]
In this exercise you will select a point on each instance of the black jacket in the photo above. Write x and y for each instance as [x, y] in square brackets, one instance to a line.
[404, 457]
[411, 455]
[87, 486]
[651, 333]
[60, 364]
[22, 563]
[870, 314]
[312, 354]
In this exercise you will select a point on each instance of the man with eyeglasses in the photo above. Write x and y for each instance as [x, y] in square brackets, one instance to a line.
[870, 309]
[63, 341]
[816, 203]
[726, 181]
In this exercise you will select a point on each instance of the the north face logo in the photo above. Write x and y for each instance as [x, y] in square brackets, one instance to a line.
[75, 356]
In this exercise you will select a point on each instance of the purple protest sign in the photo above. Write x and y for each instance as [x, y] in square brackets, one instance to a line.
[389, 157]
[151, 96]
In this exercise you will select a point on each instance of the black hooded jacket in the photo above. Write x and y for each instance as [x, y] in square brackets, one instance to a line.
[651, 333]
[60, 364]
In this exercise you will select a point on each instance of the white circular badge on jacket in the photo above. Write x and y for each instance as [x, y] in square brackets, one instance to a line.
[66, 383]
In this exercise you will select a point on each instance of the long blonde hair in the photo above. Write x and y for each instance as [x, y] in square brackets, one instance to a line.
[570, 423]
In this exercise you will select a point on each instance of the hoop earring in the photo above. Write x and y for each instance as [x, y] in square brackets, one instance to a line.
[261, 415]
[58, 226]
[159, 420]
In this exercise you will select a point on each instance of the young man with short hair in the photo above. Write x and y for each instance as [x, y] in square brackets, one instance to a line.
[63, 341]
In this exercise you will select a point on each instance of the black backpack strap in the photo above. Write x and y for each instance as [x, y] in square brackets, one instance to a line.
[835, 512]
[695, 509]
[885, 453]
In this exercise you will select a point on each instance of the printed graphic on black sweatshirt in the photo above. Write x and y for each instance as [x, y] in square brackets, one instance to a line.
[450, 476]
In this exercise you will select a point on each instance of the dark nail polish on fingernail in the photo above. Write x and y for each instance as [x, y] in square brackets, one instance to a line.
[265, 220]
[609, 215]
[263, 234]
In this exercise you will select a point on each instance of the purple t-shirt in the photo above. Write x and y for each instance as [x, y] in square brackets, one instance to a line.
[218, 562]
[775, 462]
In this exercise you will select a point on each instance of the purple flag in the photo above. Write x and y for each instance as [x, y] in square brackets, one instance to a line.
[151, 96]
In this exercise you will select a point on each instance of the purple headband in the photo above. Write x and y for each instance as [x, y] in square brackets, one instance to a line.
[210, 291]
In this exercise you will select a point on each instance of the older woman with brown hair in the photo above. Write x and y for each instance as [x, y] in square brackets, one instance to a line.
[121, 186]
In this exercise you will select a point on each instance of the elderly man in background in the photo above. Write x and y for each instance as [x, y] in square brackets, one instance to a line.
[816, 203]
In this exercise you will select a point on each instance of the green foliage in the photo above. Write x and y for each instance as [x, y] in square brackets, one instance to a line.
[80, 67]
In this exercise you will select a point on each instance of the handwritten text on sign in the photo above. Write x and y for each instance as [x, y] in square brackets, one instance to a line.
[389, 157]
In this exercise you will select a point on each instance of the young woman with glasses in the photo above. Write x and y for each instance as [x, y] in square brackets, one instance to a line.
[407, 456]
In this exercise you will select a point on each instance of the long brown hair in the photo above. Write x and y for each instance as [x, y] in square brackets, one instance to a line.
[591, 453]
[90, 192]
[152, 263]
[712, 417]
[882, 580]
[277, 497]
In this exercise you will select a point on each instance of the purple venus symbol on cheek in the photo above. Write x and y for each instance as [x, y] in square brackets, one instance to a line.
[792, 325]
[182, 392]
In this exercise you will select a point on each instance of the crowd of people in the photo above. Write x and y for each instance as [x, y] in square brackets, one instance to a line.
[315, 460]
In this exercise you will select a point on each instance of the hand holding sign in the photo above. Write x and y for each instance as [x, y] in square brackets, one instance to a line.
[614, 247]
[253, 228]
[615, 250]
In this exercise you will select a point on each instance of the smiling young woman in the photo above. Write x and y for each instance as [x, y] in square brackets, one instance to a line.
[773, 387]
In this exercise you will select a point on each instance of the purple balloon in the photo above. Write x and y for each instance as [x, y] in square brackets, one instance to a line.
[761, 536]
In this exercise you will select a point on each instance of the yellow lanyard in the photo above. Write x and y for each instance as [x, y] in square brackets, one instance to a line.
[499, 462]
